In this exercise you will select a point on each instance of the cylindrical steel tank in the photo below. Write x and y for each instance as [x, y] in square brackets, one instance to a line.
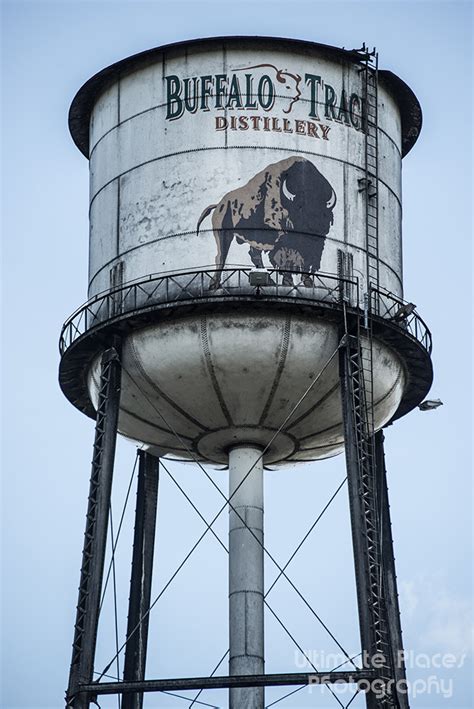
[211, 159]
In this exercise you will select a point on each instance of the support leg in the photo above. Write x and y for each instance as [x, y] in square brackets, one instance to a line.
[352, 432]
[95, 537]
[140, 584]
[246, 634]
[389, 575]
[371, 534]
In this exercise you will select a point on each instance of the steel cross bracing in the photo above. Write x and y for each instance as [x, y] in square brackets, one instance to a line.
[364, 494]
[227, 503]
[84, 690]
[281, 573]
[119, 529]
[356, 366]
[95, 536]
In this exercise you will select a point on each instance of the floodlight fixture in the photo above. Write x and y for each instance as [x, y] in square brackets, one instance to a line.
[404, 311]
[430, 404]
[259, 277]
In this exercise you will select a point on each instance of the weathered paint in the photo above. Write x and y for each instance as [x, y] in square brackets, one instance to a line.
[224, 155]
[154, 170]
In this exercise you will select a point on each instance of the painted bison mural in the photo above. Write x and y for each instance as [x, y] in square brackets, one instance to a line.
[286, 210]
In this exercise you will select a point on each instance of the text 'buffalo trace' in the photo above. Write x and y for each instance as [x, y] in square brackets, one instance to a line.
[245, 91]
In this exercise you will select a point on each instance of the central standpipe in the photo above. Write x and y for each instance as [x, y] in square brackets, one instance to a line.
[246, 635]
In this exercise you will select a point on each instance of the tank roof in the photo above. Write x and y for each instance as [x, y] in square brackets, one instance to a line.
[83, 102]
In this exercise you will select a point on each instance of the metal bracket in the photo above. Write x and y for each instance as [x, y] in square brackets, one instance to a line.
[367, 184]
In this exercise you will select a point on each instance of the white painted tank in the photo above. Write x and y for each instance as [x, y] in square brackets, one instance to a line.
[240, 152]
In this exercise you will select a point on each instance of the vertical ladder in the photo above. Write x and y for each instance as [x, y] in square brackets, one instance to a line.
[362, 369]
[369, 184]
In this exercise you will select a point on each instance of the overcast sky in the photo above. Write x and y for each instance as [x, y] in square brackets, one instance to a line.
[49, 50]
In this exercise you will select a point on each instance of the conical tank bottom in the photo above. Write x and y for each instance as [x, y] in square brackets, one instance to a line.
[195, 387]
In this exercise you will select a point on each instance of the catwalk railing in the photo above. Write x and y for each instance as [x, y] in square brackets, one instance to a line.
[173, 289]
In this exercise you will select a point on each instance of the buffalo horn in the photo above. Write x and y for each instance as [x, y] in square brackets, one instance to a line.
[332, 202]
[286, 192]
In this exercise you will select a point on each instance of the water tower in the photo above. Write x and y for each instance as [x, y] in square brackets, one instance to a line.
[245, 309]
